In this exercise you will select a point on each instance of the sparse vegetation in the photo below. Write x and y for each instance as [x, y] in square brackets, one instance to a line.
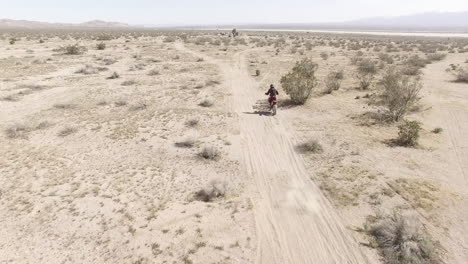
[311, 146]
[461, 75]
[67, 131]
[210, 153]
[101, 46]
[366, 71]
[408, 134]
[400, 92]
[206, 102]
[114, 75]
[215, 189]
[402, 239]
[333, 81]
[299, 82]
[437, 130]
[74, 50]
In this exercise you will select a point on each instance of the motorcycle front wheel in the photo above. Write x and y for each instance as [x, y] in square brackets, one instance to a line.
[273, 109]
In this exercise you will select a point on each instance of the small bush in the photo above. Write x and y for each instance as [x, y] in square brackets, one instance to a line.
[12, 41]
[74, 50]
[153, 72]
[88, 69]
[299, 82]
[437, 130]
[67, 131]
[408, 134]
[64, 106]
[366, 71]
[257, 73]
[324, 55]
[192, 122]
[311, 146]
[138, 107]
[206, 103]
[16, 131]
[400, 92]
[188, 142]
[402, 239]
[333, 81]
[436, 56]
[128, 82]
[101, 46]
[120, 103]
[461, 75]
[210, 153]
[114, 75]
[215, 189]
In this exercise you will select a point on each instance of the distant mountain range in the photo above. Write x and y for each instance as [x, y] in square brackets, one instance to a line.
[25, 24]
[434, 21]
[424, 20]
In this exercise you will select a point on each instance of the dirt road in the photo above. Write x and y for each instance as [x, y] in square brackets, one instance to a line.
[294, 222]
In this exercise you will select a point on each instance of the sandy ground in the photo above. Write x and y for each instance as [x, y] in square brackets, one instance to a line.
[94, 171]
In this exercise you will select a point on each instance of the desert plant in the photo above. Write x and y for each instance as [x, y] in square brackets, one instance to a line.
[128, 82]
[366, 71]
[153, 72]
[215, 189]
[101, 46]
[192, 122]
[114, 75]
[89, 69]
[12, 41]
[187, 142]
[437, 130]
[333, 81]
[400, 92]
[299, 82]
[408, 134]
[436, 56]
[311, 146]
[206, 103]
[67, 131]
[16, 131]
[324, 55]
[461, 75]
[402, 239]
[210, 153]
[74, 49]
[257, 72]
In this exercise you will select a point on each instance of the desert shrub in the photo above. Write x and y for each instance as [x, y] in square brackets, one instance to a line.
[101, 46]
[416, 61]
[311, 146]
[41, 41]
[64, 106]
[210, 153]
[120, 103]
[400, 92]
[257, 72]
[408, 134]
[333, 81]
[461, 75]
[411, 70]
[206, 103]
[299, 82]
[366, 71]
[192, 122]
[169, 39]
[12, 41]
[403, 240]
[187, 142]
[437, 130]
[386, 58]
[114, 75]
[138, 107]
[74, 49]
[215, 189]
[67, 131]
[153, 72]
[324, 55]
[128, 82]
[89, 69]
[16, 131]
[436, 56]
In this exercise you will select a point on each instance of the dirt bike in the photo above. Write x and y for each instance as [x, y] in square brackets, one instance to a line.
[273, 105]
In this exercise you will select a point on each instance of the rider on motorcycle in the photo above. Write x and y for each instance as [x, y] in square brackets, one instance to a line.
[273, 92]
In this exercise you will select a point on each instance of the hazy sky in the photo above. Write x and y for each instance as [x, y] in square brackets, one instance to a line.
[218, 11]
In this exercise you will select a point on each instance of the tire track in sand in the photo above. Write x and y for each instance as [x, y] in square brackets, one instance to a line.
[294, 222]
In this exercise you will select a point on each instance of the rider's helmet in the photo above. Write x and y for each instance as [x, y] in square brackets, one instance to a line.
[272, 86]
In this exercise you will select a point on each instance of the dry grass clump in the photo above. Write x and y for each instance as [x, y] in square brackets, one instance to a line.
[403, 240]
[408, 134]
[210, 153]
[187, 142]
[215, 189]
[365, 73]
[114, 75]
[437, 130]
[192, 122]
[89, 69]
[311, 146]
[153, 72]
[73, 49]
[101, 46]
[67, 131]
[207, 102]
[461, 75]
[333, 81]
[120, 103]
[128, 82]
[138, 107]
[64, 106]
[299, 82]
[16, 131]
[10, 98]
[436, 56]
[400, 92]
